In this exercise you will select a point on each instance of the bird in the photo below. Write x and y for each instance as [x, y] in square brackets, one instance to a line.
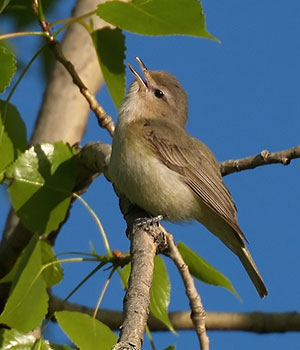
[157, 165]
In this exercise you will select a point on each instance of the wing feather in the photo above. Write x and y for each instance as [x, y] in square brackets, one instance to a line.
[200, 171]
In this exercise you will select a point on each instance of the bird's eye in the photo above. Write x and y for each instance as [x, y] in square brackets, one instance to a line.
[158, 93]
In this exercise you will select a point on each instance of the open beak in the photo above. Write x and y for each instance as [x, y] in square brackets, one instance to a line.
[142, 83]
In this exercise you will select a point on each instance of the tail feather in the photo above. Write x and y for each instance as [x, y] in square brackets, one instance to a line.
[249, 265]
[234, 239]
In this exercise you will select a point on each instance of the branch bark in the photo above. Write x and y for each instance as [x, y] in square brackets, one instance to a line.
[263, 158]
[137, 298]
[198, 314]
[145, 242]
[256, 322]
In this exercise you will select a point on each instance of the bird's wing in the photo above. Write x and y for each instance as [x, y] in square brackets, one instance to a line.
[195, 162]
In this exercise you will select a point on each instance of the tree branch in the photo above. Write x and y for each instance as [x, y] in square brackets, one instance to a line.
[104, 120]
[263, 158]
[198, 314]
[256, 322]
[145, 241]
[96, 152]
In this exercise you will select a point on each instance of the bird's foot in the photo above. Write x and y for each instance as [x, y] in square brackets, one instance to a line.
[148, 221]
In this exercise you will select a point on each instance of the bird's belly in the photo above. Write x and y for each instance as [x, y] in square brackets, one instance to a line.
[147, 182]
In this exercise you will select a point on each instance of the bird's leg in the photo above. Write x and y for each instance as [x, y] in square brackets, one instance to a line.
[148, 220]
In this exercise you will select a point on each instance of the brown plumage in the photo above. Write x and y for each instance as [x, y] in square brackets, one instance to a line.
[157, 165]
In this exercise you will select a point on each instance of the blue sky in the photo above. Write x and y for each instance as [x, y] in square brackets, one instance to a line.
[243, 98]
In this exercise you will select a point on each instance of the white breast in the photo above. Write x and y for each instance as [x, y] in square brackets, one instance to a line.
[147, 182]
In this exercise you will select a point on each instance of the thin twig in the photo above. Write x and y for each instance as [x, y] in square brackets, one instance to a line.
[104, 120]
[198, 314]
[263, 158]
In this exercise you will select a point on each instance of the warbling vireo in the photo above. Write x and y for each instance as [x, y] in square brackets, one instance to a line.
[158, 166]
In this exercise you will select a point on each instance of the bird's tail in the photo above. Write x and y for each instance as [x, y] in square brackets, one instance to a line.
[237, 245]
[234, 239]
[249, 265]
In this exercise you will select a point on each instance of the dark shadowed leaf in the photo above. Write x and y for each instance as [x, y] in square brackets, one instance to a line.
[20, 11]
[12, 134]
[42, 181]
[202, 270]
[156, 17]
[12, 273]
[27, 304]
[160, 293]
[3, 4]
[110, 46]
[60, 347]
[85, 332]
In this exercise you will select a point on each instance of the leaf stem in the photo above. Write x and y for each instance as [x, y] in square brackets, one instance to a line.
[84, 25]
[103, 292]
[24, 72]
[98, 267]
[101, 229]
[72, 19]
[14, 35]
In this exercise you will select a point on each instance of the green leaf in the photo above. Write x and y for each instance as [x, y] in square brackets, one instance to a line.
[7, 67]
[12, 134]
[43, 179]
[14, 340]
[203, 271]
[124, 273]
[52, 274]
[156, 17]
[27, 304]
[110, 46]
[160, 293]
[86, 332]
[170, 347]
